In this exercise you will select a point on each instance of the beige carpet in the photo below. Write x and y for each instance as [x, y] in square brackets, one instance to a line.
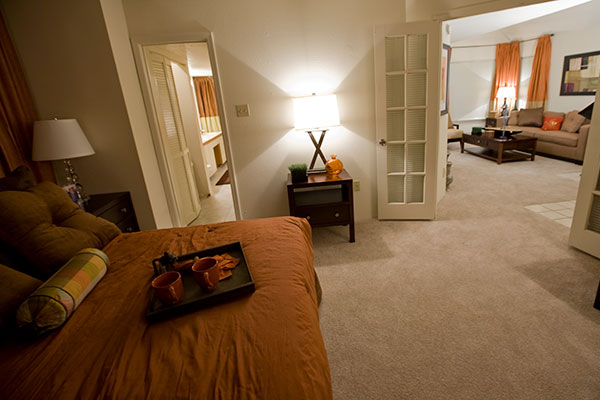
[486, 302]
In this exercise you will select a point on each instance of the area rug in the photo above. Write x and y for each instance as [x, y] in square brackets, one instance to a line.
[224, 179]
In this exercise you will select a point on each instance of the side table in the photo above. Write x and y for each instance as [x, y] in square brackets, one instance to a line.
[323, 200]
[115, 207]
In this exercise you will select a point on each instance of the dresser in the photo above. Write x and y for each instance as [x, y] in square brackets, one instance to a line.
[323, 200]
[116, 208]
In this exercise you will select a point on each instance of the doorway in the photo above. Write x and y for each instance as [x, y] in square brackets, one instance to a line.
[183, 100]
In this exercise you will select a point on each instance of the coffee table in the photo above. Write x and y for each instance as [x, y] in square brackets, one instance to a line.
[512, 148]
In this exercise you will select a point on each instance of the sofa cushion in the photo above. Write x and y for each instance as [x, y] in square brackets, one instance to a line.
[573, 122]
[455, 133]
[513, 118]
[46, 226]
[531, 117]
[558, 137]
[552, 123]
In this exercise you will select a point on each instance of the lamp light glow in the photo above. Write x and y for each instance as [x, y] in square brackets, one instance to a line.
[506, 92]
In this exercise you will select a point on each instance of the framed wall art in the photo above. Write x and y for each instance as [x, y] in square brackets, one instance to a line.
[581, 74]
[445, 76]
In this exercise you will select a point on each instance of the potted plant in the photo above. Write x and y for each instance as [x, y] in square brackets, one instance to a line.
[298, 172]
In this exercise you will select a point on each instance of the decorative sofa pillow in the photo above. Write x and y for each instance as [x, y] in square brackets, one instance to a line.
[552, 123]
[45, 226]
[52, 304]
[513, 118]
[15, 286]
[21, 178]
[573, 122]
[531, 117]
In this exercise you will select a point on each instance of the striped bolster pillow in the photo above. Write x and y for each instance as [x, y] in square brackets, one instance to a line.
[52, 304]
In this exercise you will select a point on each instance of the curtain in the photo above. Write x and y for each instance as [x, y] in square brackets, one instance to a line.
[17, 114]
[537, 93]
[508, 72]
[207, 104]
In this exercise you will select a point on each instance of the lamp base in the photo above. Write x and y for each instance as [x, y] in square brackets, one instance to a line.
[318, 151]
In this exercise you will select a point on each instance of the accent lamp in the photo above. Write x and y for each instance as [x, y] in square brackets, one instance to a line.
[62, 139]
[316, 113]
[505, 92]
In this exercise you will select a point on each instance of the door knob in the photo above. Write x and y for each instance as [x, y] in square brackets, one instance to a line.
[382, 142]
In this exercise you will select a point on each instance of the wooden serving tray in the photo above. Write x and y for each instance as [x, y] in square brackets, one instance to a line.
[194, 297]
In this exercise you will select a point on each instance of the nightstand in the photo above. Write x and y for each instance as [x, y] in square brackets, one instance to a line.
[323, 201]
[115, 207]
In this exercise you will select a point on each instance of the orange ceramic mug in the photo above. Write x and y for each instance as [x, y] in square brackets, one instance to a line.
[206, 272]
[168, 287]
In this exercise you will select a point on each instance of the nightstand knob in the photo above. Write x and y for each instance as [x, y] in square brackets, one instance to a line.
[124, 210]
[308, 217]
[337, 214]
[129, 229]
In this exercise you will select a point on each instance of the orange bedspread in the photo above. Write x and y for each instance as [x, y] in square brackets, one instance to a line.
[267, 345]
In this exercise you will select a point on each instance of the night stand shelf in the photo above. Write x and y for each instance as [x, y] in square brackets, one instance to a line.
[116, 208]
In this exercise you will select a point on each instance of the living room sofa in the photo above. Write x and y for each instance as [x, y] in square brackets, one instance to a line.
[566, 142]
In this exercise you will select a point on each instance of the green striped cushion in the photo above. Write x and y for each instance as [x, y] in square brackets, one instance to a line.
[53, 303]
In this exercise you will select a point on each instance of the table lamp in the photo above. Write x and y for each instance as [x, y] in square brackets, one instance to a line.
[316, 113]
[61, 139]
[505, 92]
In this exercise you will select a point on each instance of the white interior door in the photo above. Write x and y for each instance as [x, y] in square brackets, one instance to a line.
[407, 85]
[173, 137]
[585, 231]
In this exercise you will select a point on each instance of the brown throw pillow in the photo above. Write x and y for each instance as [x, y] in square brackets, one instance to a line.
[46, 226]
[513, 118]
[21, 178]
[15, 286]
[573, 122]
[531, 117]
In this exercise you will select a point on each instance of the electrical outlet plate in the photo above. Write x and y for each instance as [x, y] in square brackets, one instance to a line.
[356, 186]
[242, 110]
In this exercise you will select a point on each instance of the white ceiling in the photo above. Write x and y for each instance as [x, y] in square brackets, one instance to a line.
[524, 22]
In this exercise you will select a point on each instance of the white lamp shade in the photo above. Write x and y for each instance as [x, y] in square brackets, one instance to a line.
[59, 139]
[506, 92]
[316, 112]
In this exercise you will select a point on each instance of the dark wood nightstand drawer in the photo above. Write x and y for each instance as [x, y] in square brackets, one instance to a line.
[325, 215]
[118, 212]
[128, 225]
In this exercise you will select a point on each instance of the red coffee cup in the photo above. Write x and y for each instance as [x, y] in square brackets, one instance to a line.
[206, 272]
[168, 287]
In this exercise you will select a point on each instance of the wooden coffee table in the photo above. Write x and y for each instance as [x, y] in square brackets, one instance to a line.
[512, 148]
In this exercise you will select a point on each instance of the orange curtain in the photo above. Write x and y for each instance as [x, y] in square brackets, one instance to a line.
[508, 72]
[207, 104]
[537, 93]
[17, 114]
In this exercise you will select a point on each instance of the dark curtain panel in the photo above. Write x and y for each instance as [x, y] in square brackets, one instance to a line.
[17, 114]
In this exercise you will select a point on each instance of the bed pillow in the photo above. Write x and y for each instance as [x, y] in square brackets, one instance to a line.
[15, 286]
[21, 178]
[573, 122]
[49, 307]
[531, 117]
[45, 226]
[552, 123]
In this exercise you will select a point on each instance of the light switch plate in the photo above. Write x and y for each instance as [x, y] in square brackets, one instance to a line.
[356, 186]
[242, 110]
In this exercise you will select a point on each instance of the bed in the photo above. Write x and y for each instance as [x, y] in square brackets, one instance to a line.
[267, 345]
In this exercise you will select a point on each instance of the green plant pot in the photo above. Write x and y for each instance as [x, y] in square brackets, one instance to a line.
[299, 176]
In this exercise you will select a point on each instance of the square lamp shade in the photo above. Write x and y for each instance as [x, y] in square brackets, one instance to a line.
[59, 139]
[506, 92]
[316, 112]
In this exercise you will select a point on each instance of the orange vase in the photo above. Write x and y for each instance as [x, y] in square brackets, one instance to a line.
[334, 166]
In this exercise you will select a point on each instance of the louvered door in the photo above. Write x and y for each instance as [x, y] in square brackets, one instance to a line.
[407, 60]
[173, 138]
[585, 231]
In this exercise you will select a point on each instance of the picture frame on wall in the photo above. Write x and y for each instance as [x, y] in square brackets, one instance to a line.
[580, 75]
[446, 50]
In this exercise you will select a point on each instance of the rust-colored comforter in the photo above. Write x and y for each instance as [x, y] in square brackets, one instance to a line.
[267, 345]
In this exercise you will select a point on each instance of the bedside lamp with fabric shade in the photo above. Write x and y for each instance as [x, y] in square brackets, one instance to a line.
[61, 139]
[505, 92]
[316, 113]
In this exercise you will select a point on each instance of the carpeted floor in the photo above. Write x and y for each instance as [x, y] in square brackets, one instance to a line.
[486, 302]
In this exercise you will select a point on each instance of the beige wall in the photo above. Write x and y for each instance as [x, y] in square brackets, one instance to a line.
[66, 55]
[266, 50]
